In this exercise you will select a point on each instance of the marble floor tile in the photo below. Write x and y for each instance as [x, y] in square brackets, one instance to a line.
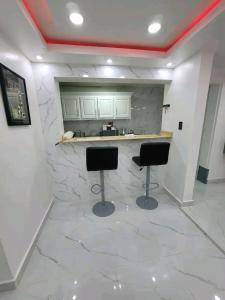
[209, 210]
[133, 254]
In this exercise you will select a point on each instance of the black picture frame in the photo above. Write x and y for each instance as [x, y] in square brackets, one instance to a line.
[14, 94]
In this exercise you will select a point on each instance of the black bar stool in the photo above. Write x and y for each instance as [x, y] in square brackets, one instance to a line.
[100, 159]
[151, 154]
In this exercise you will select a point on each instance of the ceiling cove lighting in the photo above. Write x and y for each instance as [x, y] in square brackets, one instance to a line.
[154, 27]
[76, 18]
[39, 57]
[194, 23]
[109, 61]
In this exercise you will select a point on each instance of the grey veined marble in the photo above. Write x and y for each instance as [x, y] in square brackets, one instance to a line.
[67, 164]
[209, 210]
[133, 254]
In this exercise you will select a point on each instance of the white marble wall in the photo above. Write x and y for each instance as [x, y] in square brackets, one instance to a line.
[67, 162]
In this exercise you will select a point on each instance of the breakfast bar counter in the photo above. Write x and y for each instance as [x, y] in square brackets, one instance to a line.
[128, 137]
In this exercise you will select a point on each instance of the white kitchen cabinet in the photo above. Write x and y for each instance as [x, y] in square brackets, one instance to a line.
[96, 106]
[122, 107]
[105, 107]
[88, 105]
[70, 107]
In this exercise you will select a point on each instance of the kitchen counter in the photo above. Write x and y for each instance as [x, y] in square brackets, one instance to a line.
[128, 137]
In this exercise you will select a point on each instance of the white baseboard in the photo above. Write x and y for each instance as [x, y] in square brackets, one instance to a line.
[216, 180]
[177, 200]
[12, 284]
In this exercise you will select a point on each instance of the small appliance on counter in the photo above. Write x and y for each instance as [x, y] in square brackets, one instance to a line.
[125, 131]
[78, 133]
[109, 130]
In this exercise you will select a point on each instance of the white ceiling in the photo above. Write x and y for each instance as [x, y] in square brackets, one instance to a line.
[18, 27]
[118, 21]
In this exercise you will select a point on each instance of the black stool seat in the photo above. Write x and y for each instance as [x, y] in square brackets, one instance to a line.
[101, 159]
[151, 154]
[137, 160]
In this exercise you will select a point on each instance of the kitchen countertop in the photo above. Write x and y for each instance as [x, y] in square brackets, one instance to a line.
[128, 137]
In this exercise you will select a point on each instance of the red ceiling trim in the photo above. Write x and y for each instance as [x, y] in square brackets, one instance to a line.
[162, 49]
[195, 22]
[105, 45]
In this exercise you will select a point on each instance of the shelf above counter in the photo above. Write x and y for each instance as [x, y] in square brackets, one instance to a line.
[128, 137]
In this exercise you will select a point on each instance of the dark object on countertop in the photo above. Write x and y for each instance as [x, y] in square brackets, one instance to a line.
[78, 133]
[109, 125]
[109, 132]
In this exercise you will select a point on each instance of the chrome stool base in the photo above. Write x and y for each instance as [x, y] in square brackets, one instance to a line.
[103, 209]
[146, 202]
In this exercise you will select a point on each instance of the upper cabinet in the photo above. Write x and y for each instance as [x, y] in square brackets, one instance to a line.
[70, 107]
[88, 106]
[105, 107]
[122, 107]
[96, 106]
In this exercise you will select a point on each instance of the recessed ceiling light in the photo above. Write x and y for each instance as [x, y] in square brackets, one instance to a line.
[109, 61]
[108, 71]
[39, 57]
[122, 77]
[154, 27]
[169, 64]
[76, 18]
[85, 75]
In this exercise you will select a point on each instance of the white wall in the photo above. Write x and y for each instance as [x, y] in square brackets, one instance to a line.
[187, 96]
[25, 191]
[217, 157]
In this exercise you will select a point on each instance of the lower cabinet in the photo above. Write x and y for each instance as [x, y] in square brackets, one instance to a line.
[85, 106]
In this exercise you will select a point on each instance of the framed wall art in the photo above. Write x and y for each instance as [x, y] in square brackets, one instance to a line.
[14, 96]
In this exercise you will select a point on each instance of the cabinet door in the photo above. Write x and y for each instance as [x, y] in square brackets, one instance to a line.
[71, 107]
[88, 107]
[122, 107]
[105, 107]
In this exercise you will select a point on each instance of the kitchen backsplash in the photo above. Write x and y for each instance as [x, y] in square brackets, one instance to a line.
[146, 110]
